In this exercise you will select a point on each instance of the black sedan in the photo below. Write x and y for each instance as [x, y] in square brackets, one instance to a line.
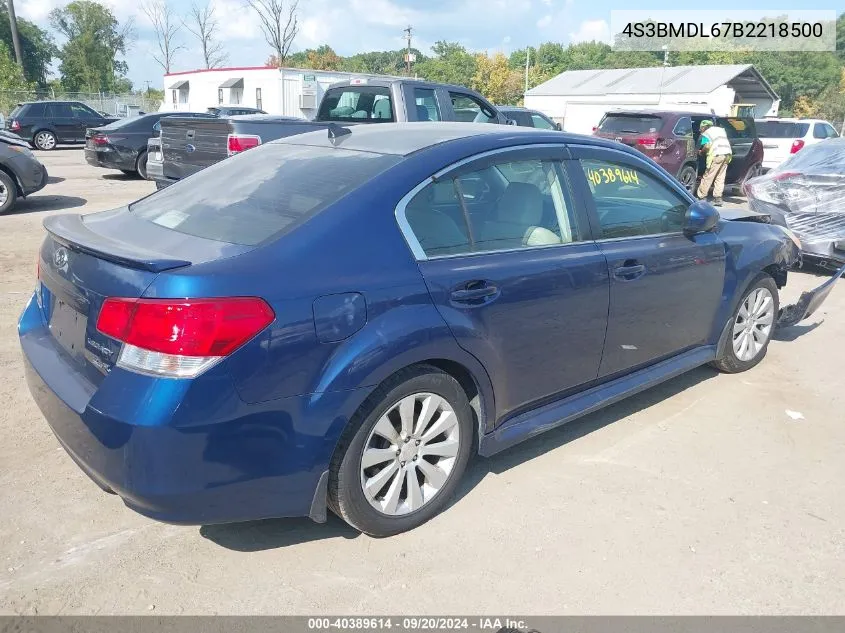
[123, 144]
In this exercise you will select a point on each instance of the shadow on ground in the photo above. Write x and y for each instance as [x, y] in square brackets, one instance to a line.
[274, 533]
[48, 203]
[120, 176]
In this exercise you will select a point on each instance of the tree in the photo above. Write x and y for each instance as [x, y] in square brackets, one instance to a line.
[94, 40]
[324, 58]
[203, 25]
[496, 80]
[279, 23]
[12, 80]
[451, 64]
[36, 45]
[804, 107]
[166, 27]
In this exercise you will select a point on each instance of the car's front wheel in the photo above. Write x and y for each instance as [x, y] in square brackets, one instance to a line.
[751, 327]
[44, 140]
[8, 193]
[404, 453]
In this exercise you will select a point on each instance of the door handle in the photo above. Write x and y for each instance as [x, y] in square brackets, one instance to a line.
[474, 291]
[629, 271]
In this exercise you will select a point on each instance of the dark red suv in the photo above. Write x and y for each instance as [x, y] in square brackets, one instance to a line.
[671, 139]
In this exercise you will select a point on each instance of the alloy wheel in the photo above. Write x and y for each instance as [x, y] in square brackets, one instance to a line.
[753, 324]
[410, 453]
[45, 140]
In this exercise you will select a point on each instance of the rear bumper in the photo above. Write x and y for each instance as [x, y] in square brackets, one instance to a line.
[109, 159]
[185, 453]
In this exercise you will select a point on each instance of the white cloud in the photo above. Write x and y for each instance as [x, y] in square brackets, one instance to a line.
[591, 30]
[544, 21]
[548, 3]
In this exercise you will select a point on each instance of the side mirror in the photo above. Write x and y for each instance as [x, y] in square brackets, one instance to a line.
[558, 127]
[701, 217]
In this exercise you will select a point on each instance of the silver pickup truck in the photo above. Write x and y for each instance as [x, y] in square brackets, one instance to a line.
[186, 146]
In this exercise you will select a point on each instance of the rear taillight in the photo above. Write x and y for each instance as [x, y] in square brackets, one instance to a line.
[595, 129]
[100, 139]
[238, 143]
[797, 145]
[15, 125]
[653, 142]
[181, 338]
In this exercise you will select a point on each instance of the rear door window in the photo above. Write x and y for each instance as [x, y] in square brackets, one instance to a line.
[630, 124]
[357, 103]
[781, 129]
[426, 104]
[738, 128]
[255, 195]
[468, 108]
[59, 111]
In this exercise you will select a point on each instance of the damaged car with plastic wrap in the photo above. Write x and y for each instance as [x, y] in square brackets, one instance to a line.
[806, 193]
[343, 319]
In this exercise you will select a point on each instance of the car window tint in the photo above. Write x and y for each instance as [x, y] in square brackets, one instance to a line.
[736, 128]
[427, 108]
[82, 112]
[630, 124]
[59, 110]
[683, 127]
[631, 202]
[250, 197]
[819, 130]
[541, 122]
[355, 103]
[469, 109]
[506, 206]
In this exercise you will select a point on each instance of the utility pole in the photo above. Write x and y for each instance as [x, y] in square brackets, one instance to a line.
[408, 54]
[16, 40]
[527, 58]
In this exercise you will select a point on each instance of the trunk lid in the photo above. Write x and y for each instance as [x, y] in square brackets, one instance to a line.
[85, 260]
[191, 144]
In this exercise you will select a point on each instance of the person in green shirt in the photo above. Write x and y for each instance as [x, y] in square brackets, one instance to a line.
[714, 144]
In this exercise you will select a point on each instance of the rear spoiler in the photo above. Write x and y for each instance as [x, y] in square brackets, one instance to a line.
[73, 233]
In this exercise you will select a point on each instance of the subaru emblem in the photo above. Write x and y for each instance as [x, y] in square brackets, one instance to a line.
[190, 148]
[60, 258]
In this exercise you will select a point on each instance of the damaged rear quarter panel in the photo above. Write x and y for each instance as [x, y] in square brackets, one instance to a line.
[750, 248]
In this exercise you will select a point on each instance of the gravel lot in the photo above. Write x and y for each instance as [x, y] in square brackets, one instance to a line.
[708, 494]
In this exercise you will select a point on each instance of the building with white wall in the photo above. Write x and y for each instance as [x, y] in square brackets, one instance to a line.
[579, 98]
[282, 91]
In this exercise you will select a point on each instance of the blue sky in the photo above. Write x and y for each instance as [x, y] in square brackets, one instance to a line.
[351, 26]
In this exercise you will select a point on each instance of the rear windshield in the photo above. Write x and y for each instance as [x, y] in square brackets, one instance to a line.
[357, 103]
[781, 129]
[255, 195]
[630, 124]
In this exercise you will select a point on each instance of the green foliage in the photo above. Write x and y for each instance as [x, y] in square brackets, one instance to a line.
[451, 64]
[11, 81]
[37, 46]
[94, 40]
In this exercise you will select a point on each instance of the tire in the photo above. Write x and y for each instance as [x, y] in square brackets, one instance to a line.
[688, 177]
[8, 193]
[129, 172]
[734, 357]
[44, 140]
[753, 171]
[389, 508]
[141, 165]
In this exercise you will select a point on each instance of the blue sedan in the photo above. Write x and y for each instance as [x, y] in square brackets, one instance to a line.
[341, 320]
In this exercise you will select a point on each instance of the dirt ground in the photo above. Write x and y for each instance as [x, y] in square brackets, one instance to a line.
[709, 494]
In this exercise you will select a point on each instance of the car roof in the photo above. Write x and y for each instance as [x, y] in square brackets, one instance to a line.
[517, 108]
[385, 82]
[402, 139]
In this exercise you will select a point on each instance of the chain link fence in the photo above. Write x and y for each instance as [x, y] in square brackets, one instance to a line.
[109, 104]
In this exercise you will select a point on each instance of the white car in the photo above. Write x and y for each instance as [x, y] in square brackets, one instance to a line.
[783, 137]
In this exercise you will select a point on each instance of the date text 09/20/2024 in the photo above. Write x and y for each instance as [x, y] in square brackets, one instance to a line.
[407, 623]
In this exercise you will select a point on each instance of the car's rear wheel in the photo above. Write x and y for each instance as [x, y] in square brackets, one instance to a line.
[751, 327]
[141, 165]
[8, 193]
[688, 177]
[401, 459]
[44, 140]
